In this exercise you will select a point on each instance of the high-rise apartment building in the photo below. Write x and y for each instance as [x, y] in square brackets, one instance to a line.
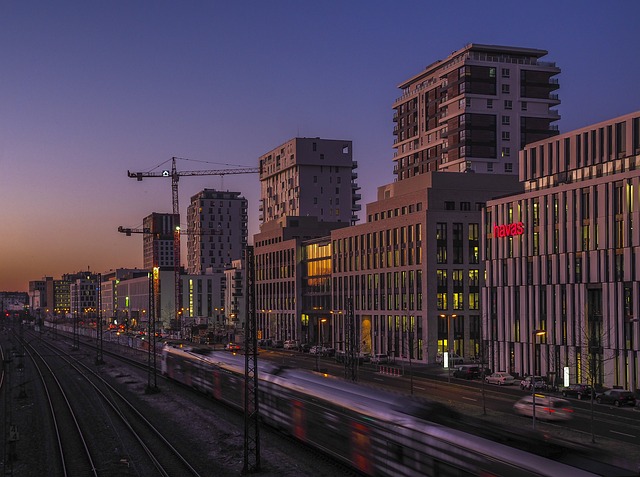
[322, 168]
[158, 243]
[474, 110]
[218, 230]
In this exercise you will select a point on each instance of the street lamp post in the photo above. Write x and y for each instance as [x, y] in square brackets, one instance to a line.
[533, 377]
[449, 341]
[321, 321]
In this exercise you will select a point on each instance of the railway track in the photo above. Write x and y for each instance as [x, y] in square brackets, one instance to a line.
[208, 417]
[98, 431]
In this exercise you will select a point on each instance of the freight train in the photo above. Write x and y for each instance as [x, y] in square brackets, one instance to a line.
[376, 432]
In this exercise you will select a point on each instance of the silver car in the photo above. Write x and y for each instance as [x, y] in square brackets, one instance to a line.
[500, 378]
[547, 408]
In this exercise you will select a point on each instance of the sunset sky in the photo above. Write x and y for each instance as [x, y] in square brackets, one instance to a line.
[89, 90]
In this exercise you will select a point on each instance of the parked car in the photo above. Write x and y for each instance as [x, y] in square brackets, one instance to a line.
[305, 347]
[501, 379]
[580, 391]
[467, 371]
[547, 408]
[317, 349]
[291, 344]
[617, 397]
[232, 347]
[278, 344]
[379, 359]
[540, 383]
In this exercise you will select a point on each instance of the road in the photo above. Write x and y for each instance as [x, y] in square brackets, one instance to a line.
[615, 429]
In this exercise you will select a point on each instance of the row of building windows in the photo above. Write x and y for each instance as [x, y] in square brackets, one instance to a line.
[387, 214]
[588, 148]
[591, 229]
[380, 291]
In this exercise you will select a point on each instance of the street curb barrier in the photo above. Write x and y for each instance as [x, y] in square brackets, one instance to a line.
[389, 370]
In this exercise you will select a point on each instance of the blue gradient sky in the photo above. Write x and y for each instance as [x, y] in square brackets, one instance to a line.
[89, 90]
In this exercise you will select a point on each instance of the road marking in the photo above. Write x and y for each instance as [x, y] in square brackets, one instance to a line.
[469, 399]
[378, 379]
[622, 434]
[421, 389]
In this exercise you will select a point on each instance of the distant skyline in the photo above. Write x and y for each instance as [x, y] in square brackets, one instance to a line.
[90, 90]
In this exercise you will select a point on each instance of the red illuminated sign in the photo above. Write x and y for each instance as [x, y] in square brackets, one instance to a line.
[508, 230]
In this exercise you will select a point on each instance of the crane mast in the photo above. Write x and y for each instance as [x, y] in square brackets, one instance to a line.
[175, 177]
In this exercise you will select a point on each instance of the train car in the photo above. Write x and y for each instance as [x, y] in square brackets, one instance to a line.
[374, 431]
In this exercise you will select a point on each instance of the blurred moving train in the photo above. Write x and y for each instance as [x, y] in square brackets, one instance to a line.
[376, 432]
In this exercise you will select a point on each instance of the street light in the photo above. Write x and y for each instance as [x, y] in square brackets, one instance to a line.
[533, 378]
[449, 341]
[320, 345]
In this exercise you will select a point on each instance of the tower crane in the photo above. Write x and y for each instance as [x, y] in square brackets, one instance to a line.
[175, 177]
[129, 231]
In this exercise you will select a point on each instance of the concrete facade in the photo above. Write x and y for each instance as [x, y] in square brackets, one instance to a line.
[415, 265]
[218, 230]
[309, 177]
[563, 257]
[279, 268]
[158, 247]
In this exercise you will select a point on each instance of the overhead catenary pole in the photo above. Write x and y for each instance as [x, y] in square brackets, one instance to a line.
[251, 403]
[99, 331]
[152, 384]
[351, 351]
